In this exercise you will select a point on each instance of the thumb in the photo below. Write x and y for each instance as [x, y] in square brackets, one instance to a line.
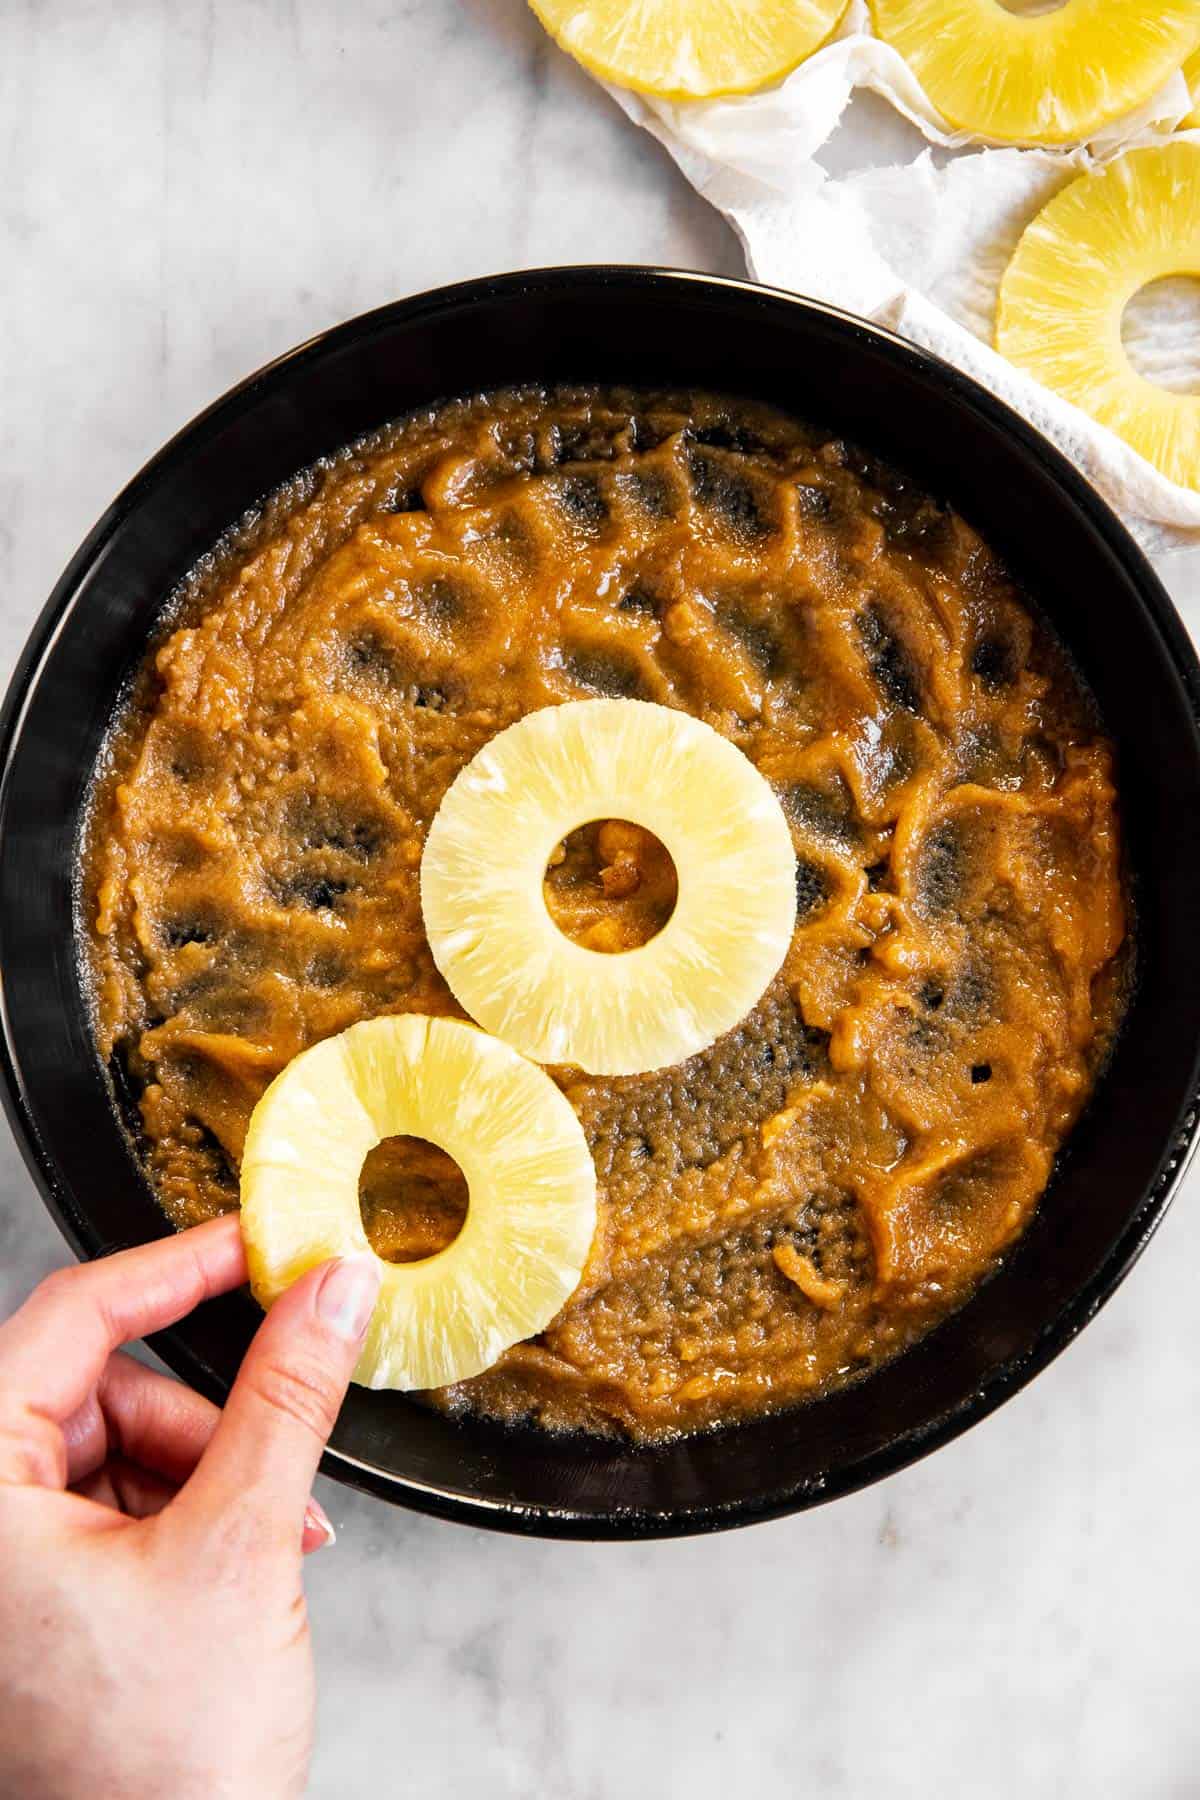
[255, 1477]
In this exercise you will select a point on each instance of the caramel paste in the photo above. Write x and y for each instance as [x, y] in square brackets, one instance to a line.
[798, 1204]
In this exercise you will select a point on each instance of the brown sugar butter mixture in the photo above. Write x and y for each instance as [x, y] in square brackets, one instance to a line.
[794, 1206]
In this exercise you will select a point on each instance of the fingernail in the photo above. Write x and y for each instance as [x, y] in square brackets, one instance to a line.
[346, 1298]
[318, 1531]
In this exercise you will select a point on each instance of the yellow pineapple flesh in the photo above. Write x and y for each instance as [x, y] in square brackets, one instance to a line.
[1041, 78]
[1078, 265]
[1191, 74]
[690, 49]
[532, 1184]
[519, 976]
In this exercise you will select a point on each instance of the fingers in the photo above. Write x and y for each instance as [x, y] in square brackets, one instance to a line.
[122, 1486]
[137, 1493]
[32, 1453]
[129, 1437]
[317, 1532]
[137, 1438]
[256, 1474]
[143, 1417]
[52, 1350]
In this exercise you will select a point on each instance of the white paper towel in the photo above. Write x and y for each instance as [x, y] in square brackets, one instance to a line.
[921, 247]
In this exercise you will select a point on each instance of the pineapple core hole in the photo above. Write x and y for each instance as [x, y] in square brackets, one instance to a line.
[1032, 7]
[611, 885]
[413, 1199]
[1160, 329]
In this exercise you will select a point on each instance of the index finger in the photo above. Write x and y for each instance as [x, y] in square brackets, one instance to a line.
[54, 1347]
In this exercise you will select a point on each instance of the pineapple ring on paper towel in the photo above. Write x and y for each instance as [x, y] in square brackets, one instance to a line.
[1078, 265]
[1048, 78]
[506, 960]
[690, 49]
[532, 1185]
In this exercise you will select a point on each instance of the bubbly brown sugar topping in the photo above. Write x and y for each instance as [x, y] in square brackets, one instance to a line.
[794, 1206]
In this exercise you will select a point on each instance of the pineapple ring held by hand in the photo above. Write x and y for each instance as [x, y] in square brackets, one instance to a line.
[1080, 262]
[506, 960]
[690, 49]
[1049, 78]
[517, 1140]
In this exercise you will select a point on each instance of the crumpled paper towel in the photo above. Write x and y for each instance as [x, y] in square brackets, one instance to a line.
[921, 247]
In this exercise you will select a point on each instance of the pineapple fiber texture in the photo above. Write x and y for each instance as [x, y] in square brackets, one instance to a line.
[921, 247]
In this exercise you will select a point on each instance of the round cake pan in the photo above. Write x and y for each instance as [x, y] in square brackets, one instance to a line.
[650, 328]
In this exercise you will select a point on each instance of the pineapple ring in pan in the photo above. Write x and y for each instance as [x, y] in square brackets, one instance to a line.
[532, 1184]
[1080, 262]
[1051, 78]
[506, 960]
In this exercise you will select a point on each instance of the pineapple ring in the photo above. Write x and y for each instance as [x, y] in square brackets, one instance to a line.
[1051, 78]
[532, 1184]
[1191, 74]
[1080, 262]
[506, 960]
[690, 49]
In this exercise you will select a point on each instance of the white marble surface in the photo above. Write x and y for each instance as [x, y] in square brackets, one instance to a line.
[185, 190]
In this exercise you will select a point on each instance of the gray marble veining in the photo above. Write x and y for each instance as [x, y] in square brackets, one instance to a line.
[185, 191]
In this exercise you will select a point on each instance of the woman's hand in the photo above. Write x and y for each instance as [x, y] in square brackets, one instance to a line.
[153, 1635]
